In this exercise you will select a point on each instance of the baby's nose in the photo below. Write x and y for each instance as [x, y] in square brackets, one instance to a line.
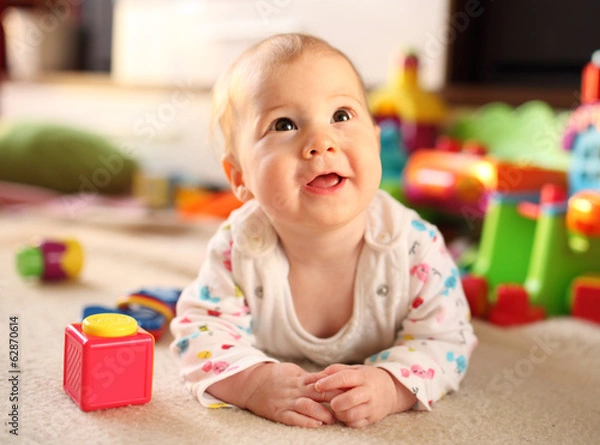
[319, 142]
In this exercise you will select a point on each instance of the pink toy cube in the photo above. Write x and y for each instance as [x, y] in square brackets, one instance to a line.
[108, 362]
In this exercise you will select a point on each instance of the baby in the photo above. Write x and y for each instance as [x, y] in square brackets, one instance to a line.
[318, 263]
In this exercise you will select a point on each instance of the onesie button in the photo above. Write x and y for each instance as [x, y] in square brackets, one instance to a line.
[384, 237]
[383, 290]
[254, 241]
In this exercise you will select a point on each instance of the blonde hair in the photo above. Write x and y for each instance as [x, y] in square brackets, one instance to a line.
[262, 59]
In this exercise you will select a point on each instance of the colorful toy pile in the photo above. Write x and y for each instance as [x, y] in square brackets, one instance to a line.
[152, 308]
[541, 257]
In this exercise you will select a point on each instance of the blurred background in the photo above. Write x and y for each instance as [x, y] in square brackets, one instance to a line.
[485, 107]
[490, 128]
[139, 72]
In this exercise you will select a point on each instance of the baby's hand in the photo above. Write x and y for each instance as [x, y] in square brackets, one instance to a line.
[369, 393]
[280, 392]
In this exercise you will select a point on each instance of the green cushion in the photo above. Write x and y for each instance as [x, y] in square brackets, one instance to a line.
[64, 159]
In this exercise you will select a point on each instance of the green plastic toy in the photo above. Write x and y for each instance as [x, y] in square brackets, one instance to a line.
[540, 253]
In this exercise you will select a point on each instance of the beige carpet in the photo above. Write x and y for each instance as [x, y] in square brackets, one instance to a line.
[534, 384]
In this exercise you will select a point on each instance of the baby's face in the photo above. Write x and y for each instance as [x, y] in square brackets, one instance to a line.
[307, 147]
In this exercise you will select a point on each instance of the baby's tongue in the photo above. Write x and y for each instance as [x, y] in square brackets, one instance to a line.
[325, 181]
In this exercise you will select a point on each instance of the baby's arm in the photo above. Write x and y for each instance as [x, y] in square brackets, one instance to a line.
[215, 346]
[434, 344]
[431, 351]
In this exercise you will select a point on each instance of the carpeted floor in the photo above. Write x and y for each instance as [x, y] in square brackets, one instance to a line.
[534, 384]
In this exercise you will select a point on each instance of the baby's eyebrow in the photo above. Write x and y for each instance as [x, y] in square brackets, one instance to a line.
[340, 94]
[272, 108]
[350, 97]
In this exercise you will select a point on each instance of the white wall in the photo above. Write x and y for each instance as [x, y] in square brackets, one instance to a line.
[186, 43]
[160, 42]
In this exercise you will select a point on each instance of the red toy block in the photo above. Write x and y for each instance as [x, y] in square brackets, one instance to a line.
[585, 298]
[476, 291]
[513, 308]
[108, 362]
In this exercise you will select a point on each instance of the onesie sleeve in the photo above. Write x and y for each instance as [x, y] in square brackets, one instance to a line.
[434, 343]
[213, 327]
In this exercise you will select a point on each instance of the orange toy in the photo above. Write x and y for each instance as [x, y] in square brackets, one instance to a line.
[192, 204]
[461, 183]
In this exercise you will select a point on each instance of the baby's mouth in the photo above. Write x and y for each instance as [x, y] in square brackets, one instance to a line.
[325, 181]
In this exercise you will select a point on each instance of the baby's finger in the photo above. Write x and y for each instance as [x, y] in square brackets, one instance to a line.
[318, 396]
[331, 369]
[339, 380]
[293, 418]
[314, 410]
[312, 378]
[321, 397]
[350, 399]
[354, 415]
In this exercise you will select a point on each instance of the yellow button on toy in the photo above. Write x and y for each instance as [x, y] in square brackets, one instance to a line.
[109, 325]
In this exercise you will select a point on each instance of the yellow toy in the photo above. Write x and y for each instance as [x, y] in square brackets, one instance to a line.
[418, 113]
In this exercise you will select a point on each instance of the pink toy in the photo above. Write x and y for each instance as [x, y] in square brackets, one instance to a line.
[108, 362]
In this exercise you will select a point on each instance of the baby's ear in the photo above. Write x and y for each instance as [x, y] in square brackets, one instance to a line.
[236, 178]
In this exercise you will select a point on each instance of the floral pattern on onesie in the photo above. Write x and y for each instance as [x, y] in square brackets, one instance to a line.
[412, 318]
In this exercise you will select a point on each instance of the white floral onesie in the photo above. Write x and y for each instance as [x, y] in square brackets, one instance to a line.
[410, 315]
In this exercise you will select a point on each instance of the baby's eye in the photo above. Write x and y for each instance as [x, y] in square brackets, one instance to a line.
[341, 115]
[283, 124]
